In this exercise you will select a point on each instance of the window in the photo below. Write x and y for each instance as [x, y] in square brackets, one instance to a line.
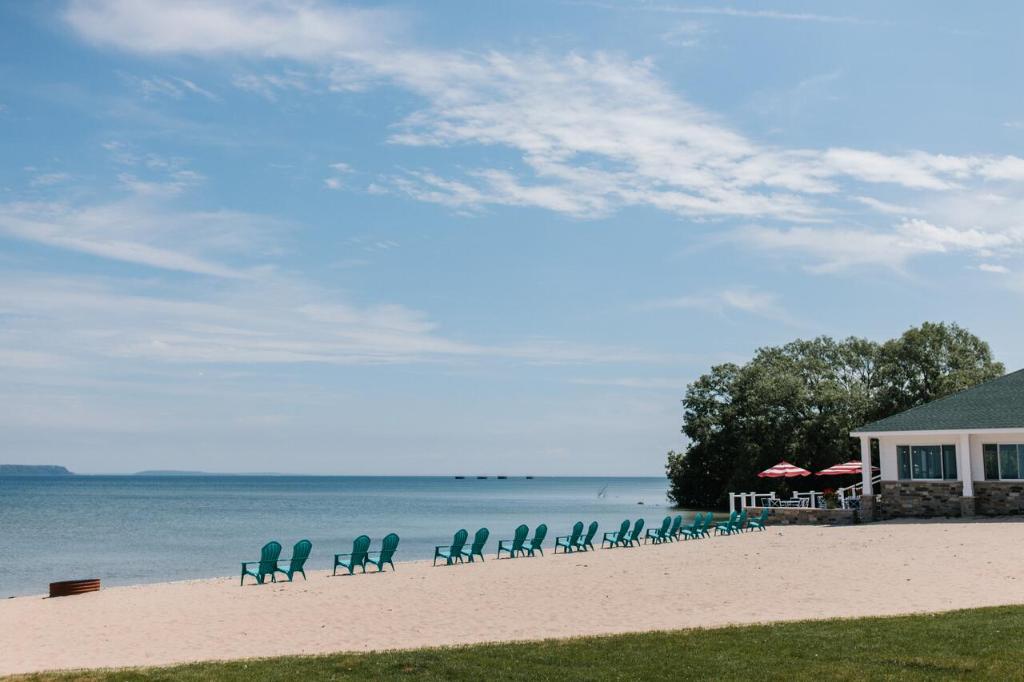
[926, 462]
[1003, 461]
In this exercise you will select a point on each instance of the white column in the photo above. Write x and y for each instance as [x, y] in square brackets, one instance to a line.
[865, 464]
[963, 458]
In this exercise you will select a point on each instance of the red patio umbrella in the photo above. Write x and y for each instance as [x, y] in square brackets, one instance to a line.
[784, 470]
[846, 468]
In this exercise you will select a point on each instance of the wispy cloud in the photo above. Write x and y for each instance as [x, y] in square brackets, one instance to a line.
[743, 299]
[173, 87]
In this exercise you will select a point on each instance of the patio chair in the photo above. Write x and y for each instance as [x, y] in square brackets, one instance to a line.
[727, 526]
[615, 537]
[266, 566]
[300, 552]
[677, 524]
[760, 521]
[477, 548]
[453, 552]
[386, 553]
[568, 542]
[586, 543]
[695, 528]
[514, 547]
[657, 535]
[357, 557]
[634, 537]
[537, 540]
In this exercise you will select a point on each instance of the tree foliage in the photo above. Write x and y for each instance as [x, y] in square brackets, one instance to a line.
[800, 401]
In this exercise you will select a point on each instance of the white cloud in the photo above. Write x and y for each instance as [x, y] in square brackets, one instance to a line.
[292, 29]
[139, 232]
[269, 319]
[744, 299]
[47, 179]
[840, 249]
[886, 207]
[685, 34]
[997, 269]
[166, 86]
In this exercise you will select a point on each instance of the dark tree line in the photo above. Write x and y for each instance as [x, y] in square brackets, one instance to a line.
[800, 401]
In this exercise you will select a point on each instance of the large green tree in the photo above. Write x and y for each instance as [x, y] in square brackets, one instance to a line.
[800, 401]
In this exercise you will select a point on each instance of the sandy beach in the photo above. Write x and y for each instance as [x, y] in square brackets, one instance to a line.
[784, 573]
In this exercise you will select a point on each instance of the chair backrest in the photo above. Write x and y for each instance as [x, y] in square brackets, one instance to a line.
[709, 520]
[742, 521]
[300, 553]
[698, 522]
[764, 515]
[591, 532]
[539, 535]
[665, 523]
[479, 540]
[577, 531]
[388, 547]
[677, 523]
[360, 546]
[269, 555]
[459, 540]
[637, 528]
[520, 537]
[623, 530]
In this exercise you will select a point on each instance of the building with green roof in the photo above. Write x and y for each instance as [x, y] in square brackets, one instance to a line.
[956, 456]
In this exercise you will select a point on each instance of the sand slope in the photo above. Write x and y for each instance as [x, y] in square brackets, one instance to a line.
[780, 574]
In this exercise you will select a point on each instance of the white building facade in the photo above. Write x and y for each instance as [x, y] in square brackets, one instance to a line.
[958, 456]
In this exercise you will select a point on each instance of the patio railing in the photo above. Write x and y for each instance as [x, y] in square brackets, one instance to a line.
[849, 497]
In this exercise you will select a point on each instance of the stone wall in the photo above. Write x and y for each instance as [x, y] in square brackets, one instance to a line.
[998, 497]
[920, 498]
[790, 516]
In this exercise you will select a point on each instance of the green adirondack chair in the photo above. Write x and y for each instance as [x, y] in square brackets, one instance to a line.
[677, 525]
[298, 561]
[386, 553]
[453, 552]
[615, 537]
[568, 542]
[267, 565]
[537, 540]
[741, 522]
[709, 519]
[477, 548]
[586, 543]
[514, 547]
[360, 547]
[659, 535]
[695, 528]
[726, 526]
[760, 521]
[634, 537]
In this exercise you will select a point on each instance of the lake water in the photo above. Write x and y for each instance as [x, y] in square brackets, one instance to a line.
[137, 529]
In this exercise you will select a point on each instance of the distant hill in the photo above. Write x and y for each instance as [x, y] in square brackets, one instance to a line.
[33, 470]
[170, 472]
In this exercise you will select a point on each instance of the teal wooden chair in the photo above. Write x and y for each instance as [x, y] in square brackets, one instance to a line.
[266, 566]
[360, 548]
[634, 536]
[453, 552]
[660, 534]
[586, 543]
[534, 543]
[709, 519]
[615, 537]
[741, 522]
[760, 521]
[725, 527]
[477, 548]
[694, 530]
[386, 553]
[677, 524]
[300, 552]
[514, 547]
[568, 542]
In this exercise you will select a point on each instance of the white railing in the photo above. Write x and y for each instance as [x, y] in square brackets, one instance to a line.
[744, 500]
[853, 492]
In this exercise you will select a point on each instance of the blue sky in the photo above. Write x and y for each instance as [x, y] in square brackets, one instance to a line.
[476, 237]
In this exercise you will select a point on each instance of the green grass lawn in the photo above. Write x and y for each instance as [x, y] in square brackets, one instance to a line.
[977, 643]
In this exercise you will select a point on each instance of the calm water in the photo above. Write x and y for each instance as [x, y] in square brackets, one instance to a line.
[136, 529]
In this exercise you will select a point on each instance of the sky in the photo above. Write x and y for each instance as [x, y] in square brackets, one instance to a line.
[477, 238]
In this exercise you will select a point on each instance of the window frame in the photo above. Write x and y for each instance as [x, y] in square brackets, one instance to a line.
[999, 460]
[942, 462]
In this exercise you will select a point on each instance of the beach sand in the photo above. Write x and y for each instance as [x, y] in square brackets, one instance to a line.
[784, 573]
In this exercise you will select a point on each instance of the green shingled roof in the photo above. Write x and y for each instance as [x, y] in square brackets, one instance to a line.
[995, 404]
